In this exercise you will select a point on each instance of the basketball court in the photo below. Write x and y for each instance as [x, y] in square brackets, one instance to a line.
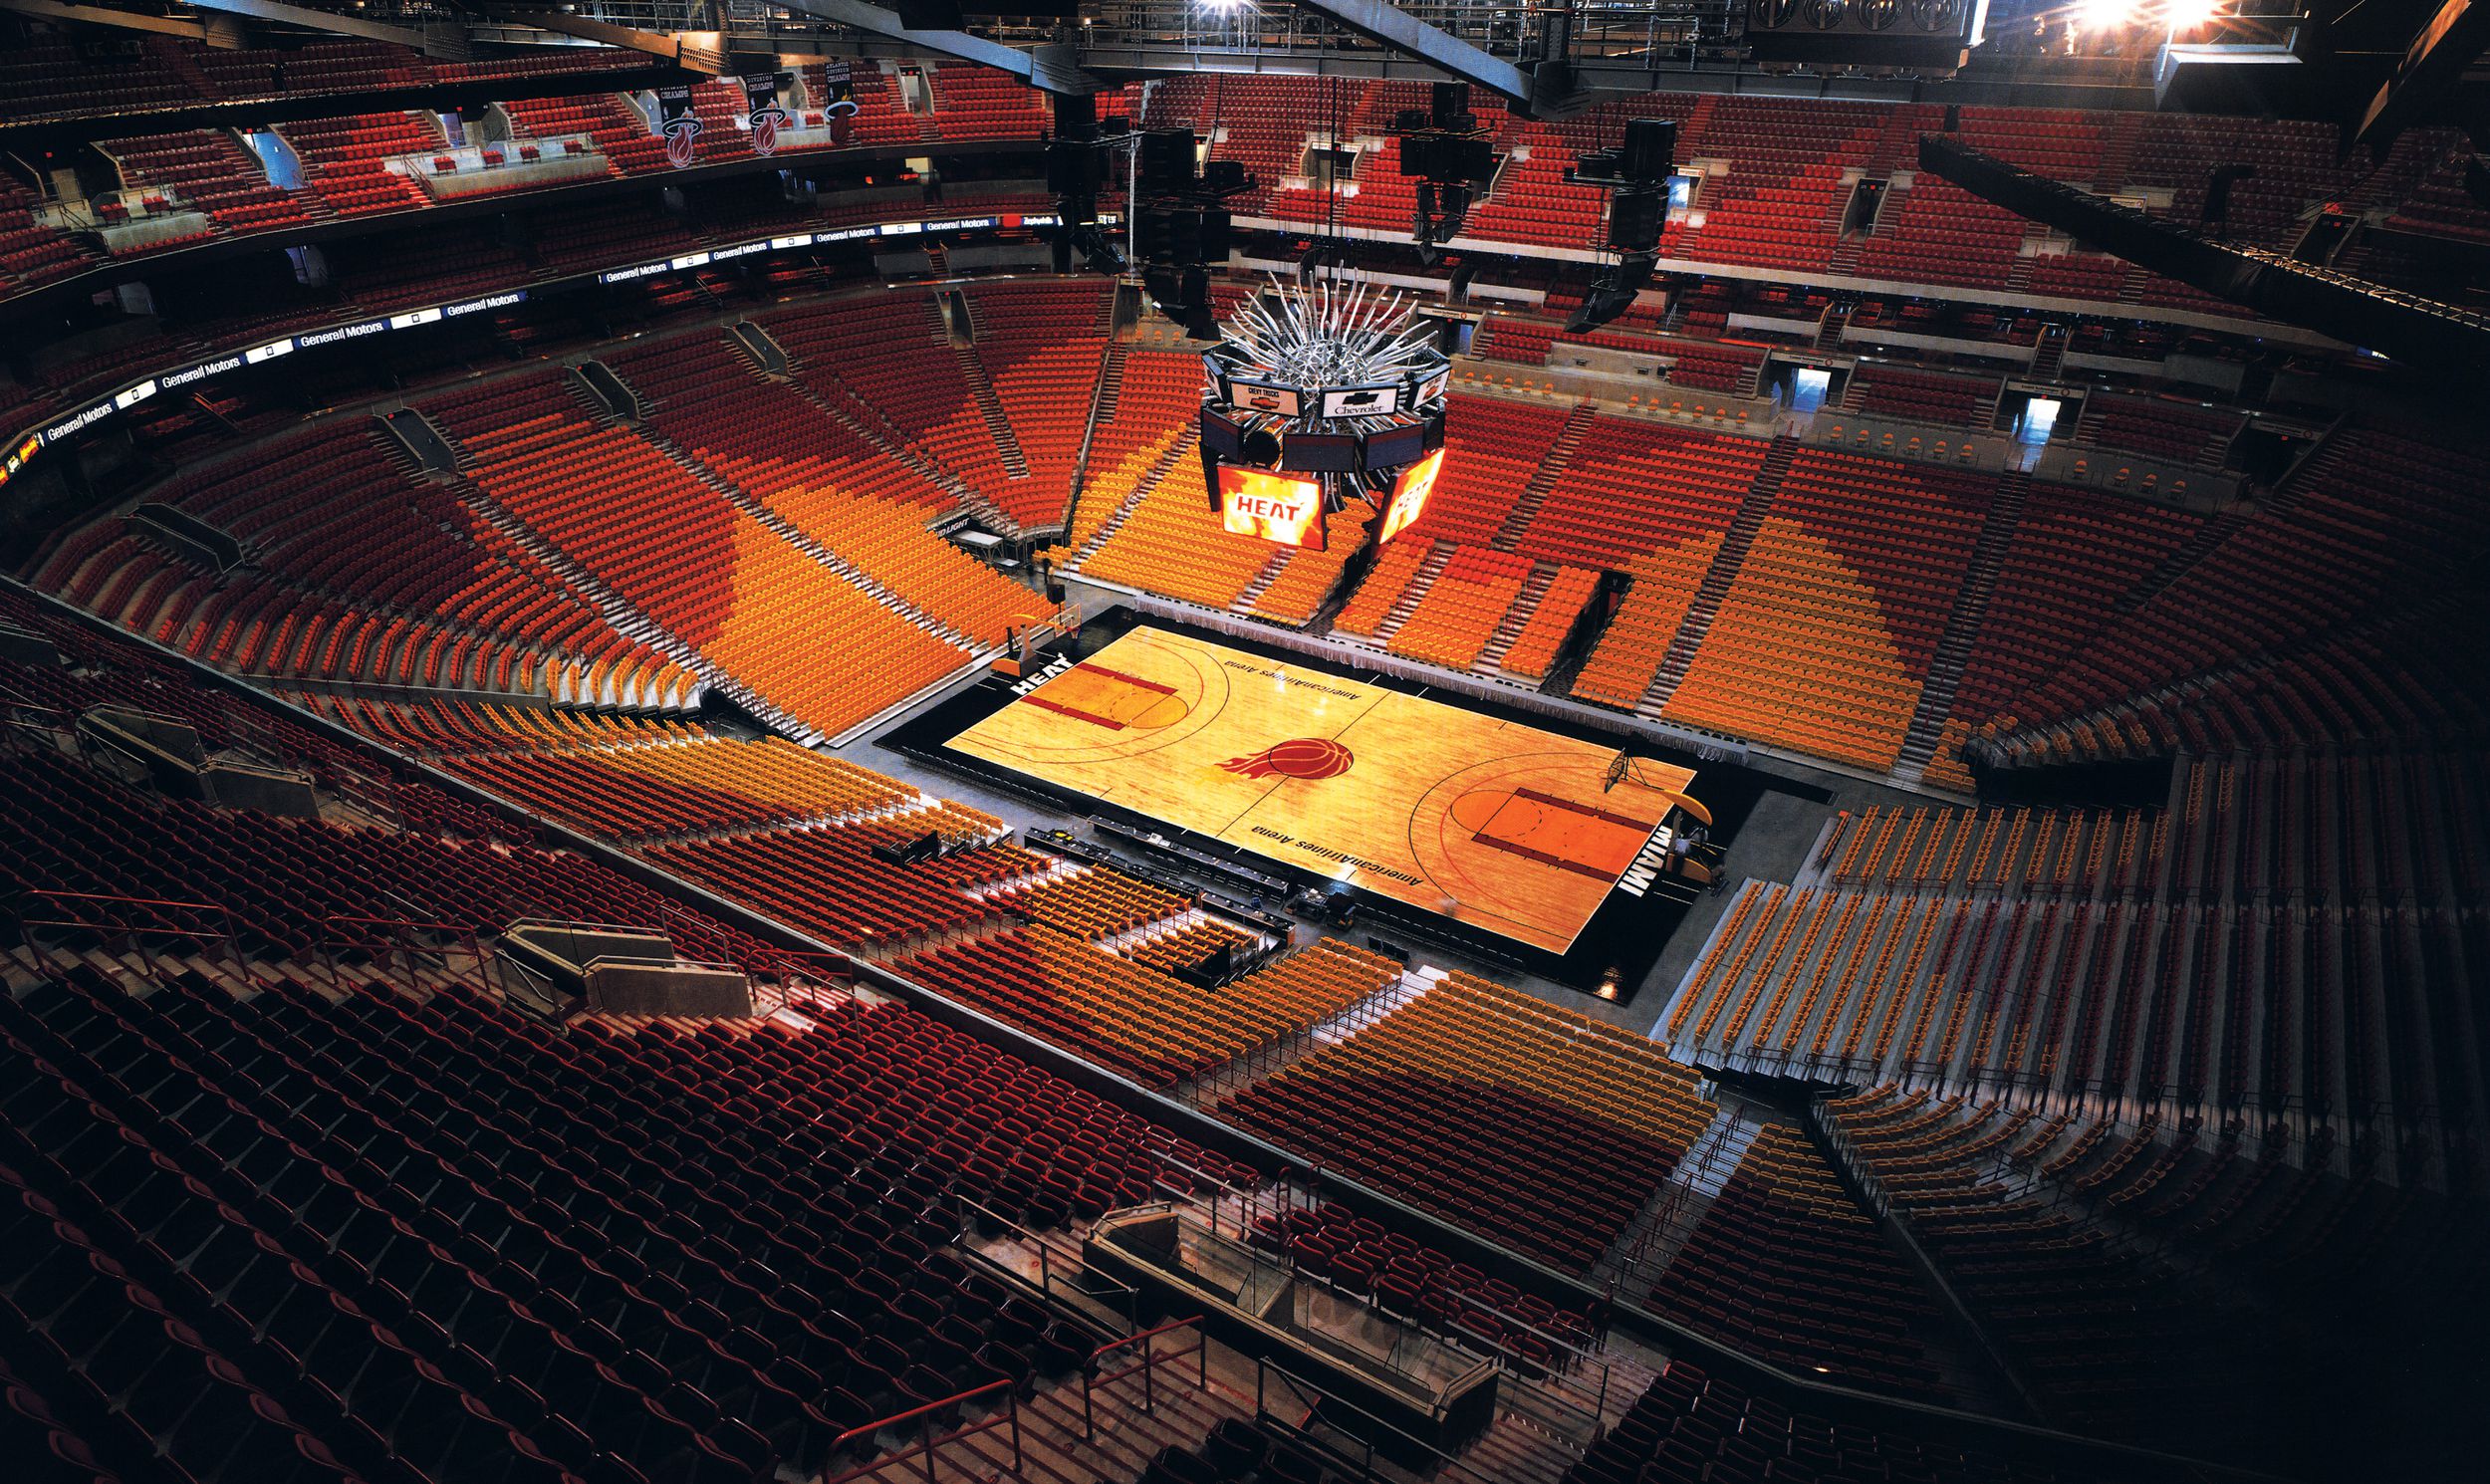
[1495, 823]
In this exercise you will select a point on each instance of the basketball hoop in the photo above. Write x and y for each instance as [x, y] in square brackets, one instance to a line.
[1616, 771]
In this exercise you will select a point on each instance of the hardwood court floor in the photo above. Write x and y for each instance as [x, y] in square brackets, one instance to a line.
[1495, 823]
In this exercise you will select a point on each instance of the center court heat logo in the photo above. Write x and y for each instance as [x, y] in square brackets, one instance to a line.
[1309, 758]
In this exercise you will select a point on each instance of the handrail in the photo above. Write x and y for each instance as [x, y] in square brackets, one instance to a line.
[1105, 1284]
[349, 919]
[396, 935]
[926, 1448]
[1147, 1367]
[61, 894]
[1445, 1464]
[1572, 1356]
[217, 911]
[1153, 1333]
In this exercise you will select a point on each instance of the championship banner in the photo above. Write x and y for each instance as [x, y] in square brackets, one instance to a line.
[680, 123]
[840, 107]
[764, 115]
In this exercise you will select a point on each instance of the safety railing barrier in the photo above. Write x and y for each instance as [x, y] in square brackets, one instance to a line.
[133, 918]
[930, 1447]
[1347, 1435]
[1574, 1379]
[1095, 1380]
[393, 938]
[1113, 1294]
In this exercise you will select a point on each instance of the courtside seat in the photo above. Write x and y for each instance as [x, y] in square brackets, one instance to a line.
[1307, 577]
[688, 787]
[1385, 583]
[1535, 646]
[1091, 904]
[1184, 946]
[1173, 543]
[826, 880]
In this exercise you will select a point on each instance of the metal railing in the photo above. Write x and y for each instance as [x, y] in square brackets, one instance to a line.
[1093, 1379]
[134, 918]
[393, 938]
[927, 1447]
[1360, 1430]
[1110, 1293]
[1566, 1382]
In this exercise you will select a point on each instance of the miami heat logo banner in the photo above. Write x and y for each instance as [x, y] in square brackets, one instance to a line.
[681, 124]
[1309, 758]
[765, 117]
[1271, 506]
[839, 105]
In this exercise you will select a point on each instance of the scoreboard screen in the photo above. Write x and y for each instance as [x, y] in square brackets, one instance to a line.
[1274, 507]
[1409, 493]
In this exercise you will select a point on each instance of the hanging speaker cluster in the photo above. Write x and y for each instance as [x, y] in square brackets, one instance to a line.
[1924, 36]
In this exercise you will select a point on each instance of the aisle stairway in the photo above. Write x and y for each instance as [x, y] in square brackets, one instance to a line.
[1180, 449]
[1419, 582]
[1263, 580]
[1551, 469]
[1962, 625]
[1534, 588]
[990, 407]
[1723, 570]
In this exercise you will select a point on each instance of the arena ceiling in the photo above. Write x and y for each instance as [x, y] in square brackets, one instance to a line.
[2302, 58]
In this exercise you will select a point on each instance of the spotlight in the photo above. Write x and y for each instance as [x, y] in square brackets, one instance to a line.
[2190, 15]
[2104, 15]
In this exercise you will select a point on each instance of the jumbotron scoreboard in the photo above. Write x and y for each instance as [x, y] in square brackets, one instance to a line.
[1318, 395]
